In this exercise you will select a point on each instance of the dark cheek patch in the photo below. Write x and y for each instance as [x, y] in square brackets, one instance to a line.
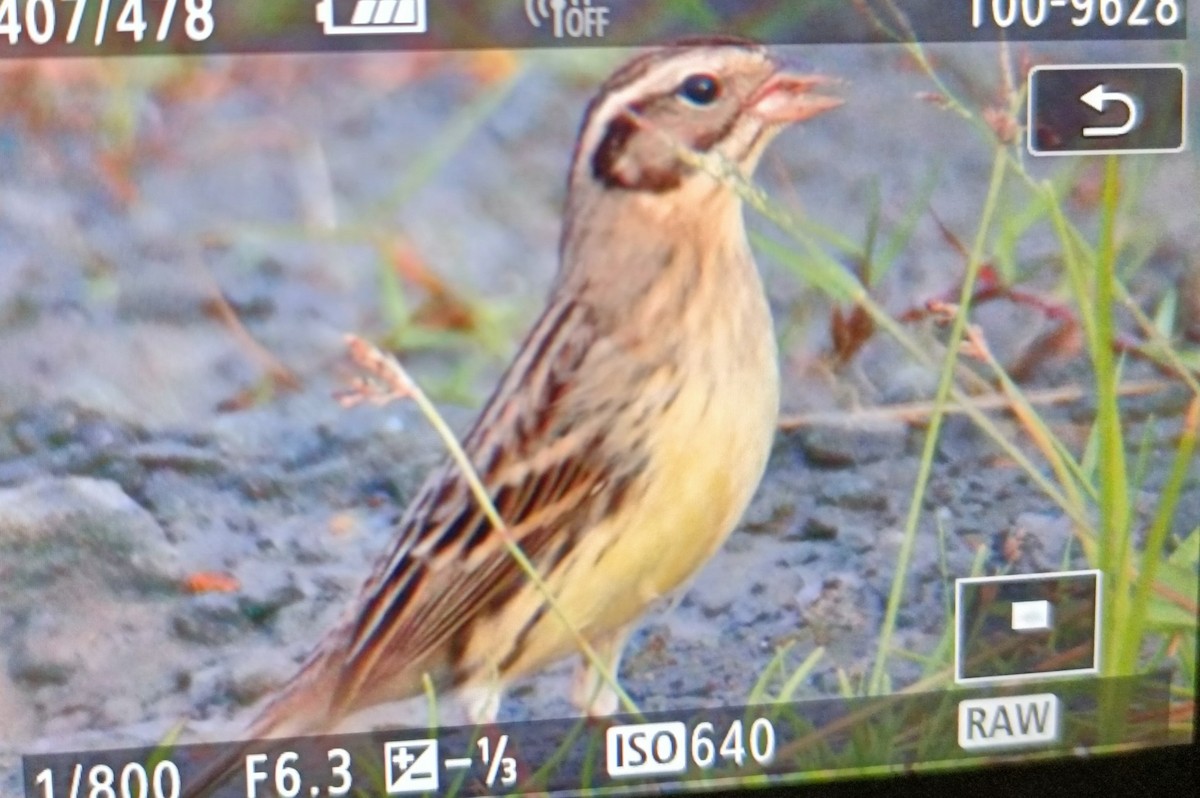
[612, 146]
[630, 157]
[617, 160]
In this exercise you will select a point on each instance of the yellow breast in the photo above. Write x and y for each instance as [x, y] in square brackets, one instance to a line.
[707, 453]
[710, 449]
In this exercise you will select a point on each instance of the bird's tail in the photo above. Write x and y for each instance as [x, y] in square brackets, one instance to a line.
[302, 707]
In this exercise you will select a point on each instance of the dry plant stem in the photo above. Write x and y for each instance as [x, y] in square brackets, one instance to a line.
[1066, 469]
[1006, 74]
[915, 412]
[282, 376]
[400, 385]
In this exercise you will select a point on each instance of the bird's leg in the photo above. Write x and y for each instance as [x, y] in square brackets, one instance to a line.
[482, 699]
[592, 694]
[483, 704]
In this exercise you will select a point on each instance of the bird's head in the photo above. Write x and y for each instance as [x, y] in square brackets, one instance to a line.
[723, 97]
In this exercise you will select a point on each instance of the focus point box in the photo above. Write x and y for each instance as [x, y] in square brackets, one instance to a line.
[1027, 626]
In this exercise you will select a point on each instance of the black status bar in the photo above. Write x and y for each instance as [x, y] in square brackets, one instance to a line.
[825, 736]
[32, 28]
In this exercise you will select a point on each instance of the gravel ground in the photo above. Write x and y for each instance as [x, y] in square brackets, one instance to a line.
[138, 446]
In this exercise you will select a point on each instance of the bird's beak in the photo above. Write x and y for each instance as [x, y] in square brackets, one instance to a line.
[787, 97]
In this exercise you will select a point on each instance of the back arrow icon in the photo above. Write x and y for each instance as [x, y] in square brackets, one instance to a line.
[1099, 97]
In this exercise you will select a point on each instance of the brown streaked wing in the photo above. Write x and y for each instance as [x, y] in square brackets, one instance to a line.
[460, 589]
[425, 591]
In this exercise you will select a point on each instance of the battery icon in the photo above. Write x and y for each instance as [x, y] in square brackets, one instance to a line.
[371, 16]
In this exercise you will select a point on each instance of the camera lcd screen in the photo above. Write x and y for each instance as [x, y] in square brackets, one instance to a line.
[587, 396]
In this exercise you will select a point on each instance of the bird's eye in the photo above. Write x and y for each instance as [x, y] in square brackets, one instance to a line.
[700, 89]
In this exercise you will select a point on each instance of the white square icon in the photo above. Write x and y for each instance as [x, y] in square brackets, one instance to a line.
[1029, 616]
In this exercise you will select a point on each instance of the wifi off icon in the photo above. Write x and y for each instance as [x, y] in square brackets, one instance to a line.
[573, 19]
[338, 17]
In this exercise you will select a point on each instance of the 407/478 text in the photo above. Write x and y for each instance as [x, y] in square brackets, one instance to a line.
[76, 21]
[1083, 13]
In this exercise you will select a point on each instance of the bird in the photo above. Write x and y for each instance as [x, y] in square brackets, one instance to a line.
[626, 437]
